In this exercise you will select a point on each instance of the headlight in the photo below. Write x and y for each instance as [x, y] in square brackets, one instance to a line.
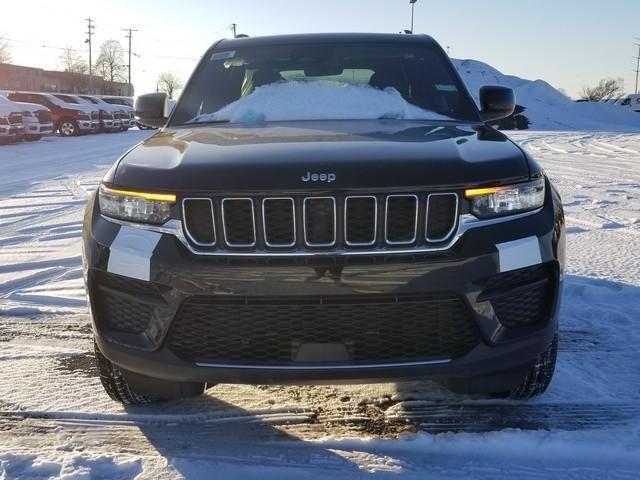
[498, 201]
[135, 206]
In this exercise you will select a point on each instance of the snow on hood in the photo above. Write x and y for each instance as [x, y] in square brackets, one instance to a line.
[319, 100]
[22, 106]
[7, 107]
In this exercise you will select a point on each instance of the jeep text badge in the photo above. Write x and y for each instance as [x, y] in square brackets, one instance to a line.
[318, 177]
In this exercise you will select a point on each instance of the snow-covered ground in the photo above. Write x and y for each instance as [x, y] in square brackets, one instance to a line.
[56, 421]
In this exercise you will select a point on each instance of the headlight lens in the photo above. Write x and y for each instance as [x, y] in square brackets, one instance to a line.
[136, 206]
[497, 201]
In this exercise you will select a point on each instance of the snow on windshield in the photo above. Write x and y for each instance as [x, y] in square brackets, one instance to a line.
[318, 100]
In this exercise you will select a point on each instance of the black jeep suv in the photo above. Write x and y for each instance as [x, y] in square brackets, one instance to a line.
[324, 208]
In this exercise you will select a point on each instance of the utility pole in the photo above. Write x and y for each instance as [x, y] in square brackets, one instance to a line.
[637, 70]
[413, 4]
[90, 28]
[233, 29]
[129, 36]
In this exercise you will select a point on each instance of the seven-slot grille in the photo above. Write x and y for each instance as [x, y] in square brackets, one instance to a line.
[356, 222]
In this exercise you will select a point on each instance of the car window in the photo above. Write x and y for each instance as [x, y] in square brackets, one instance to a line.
[67, 98]
[421, 74]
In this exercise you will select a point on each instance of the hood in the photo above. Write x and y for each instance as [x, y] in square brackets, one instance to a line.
[6, 110]
[31, 107]
[367, 154]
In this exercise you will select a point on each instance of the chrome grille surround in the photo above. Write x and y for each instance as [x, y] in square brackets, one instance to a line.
[375, 221]
[426, 222]
[224, 222]
[386, 220]
[265, 224]
[304, 222]
[213, 220]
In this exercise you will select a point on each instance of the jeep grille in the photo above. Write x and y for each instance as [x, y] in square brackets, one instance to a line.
[319, 223]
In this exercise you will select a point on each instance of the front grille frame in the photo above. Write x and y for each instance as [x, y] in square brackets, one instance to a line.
[253, 221]
[340, 206]
[415, 220]
[304, 223]
[426, 217]
[375, 221]
[264, 223]
[213, 220]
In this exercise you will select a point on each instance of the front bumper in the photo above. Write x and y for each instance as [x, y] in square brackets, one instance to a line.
[88, 125]
[11, 132]
[38, 129]
[464, 271]
[110, 124]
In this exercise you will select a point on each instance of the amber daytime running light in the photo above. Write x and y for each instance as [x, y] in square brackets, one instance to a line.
[134, 206]
[505, 200]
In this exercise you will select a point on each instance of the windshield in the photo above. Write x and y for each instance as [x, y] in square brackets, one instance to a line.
[325, 82]
[90, 100]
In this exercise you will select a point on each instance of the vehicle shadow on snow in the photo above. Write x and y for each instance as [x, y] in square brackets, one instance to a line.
[208, 429]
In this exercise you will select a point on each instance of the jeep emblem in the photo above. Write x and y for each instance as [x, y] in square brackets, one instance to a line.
[318, 177]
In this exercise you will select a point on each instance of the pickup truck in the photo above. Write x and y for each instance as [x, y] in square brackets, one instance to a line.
[68, 119]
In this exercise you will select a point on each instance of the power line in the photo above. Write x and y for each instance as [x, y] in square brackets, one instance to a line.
[11, 40]
[90, 28]
[129, 36]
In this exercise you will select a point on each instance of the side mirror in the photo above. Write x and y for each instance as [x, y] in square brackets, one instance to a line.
[151, 109]
[496, 102]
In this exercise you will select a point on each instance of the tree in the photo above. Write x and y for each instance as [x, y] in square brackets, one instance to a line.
[168, 83]
[72, 62]
[110, 63]
[606, 88]
[5, 54]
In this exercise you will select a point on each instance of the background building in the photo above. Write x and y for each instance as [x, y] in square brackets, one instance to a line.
[16, 77]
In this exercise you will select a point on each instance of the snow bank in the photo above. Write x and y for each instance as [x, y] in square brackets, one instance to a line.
[546, 107]
[319, 101]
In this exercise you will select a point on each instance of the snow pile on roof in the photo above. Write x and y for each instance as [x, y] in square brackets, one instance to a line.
[546, 107]
[319, 100]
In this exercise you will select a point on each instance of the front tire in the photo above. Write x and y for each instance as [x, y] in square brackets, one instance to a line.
[539, 376]
[522, 383]
[133, 389]
[68, 127]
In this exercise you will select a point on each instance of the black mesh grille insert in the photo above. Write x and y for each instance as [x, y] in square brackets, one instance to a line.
[522, 297]
[199, 221]
[279, 222]
[401, 218]
[320, 227]
[371, 328]
[360, 220]
[525, 306]
[120, 302]
[239, 222]
[441, 216]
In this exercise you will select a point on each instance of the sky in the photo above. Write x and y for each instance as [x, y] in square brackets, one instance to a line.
[568, 43]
